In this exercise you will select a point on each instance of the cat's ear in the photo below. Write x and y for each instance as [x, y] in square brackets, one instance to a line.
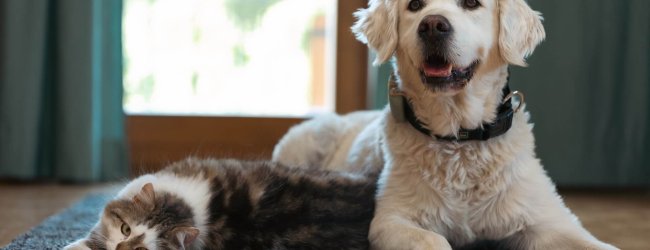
[186, 235]
[146, 197]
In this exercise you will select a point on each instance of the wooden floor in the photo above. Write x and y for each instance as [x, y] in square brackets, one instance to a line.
[621, 218]
[25, 206]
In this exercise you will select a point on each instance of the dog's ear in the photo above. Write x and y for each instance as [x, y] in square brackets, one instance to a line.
[520, 31]
[377, 27]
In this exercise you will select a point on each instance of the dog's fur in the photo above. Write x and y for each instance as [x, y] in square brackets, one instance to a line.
[436, 194]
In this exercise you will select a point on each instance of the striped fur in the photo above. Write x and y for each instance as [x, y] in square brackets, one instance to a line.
[239, 205]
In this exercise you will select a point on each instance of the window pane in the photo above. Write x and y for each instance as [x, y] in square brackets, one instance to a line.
[229, 57]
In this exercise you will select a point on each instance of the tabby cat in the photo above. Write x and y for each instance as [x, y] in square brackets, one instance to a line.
[229, 204]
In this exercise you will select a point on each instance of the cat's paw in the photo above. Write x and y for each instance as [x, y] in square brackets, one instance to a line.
[77, 245]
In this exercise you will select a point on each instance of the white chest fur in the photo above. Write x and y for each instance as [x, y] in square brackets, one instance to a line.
[462, 191]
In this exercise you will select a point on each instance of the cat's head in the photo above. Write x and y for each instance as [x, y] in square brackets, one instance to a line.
[147, 221]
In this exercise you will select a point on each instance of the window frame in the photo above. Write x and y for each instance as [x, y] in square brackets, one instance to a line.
[156, 140]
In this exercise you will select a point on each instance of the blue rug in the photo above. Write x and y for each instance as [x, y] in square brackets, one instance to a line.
[75, 222]
[59, 230]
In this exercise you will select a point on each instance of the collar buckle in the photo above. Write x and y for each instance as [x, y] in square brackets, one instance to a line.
[396, 100]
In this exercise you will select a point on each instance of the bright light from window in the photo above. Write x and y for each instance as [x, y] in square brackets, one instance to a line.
[229, 57]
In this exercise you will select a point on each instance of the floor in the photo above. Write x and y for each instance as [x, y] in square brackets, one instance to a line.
[621, 218]
[25, 206]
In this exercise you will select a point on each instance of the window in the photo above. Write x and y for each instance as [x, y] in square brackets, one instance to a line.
[229, 57]
[199, 81]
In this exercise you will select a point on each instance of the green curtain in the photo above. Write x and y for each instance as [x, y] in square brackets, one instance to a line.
[61, 114]
[588, 90]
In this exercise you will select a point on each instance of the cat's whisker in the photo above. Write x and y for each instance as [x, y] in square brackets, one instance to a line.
[103, 237]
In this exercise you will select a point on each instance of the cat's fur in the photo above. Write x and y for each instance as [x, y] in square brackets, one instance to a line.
[229, 204]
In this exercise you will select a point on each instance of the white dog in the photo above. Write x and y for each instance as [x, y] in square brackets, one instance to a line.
[458, 162]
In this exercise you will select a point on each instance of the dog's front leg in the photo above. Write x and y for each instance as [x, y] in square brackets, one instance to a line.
[394, 232]
[557, 236]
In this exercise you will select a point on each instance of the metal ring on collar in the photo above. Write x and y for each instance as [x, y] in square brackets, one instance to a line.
[522, 99]
[393, 90]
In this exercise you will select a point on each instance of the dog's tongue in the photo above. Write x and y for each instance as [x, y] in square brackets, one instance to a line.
[437, 70]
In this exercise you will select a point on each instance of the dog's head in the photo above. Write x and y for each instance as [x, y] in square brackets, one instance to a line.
[441, 45]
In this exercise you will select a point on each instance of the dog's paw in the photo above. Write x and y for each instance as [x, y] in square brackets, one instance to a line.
[583, 245]
[407, 241]
[600, 246]
[434, 242]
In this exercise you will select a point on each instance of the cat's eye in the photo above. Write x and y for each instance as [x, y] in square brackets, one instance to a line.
[126, 230]
[415, 5]
[471, 4]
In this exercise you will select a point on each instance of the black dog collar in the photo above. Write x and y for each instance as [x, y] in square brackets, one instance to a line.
[402, 111]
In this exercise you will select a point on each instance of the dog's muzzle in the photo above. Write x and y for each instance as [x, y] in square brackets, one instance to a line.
[434, 29]
[437, 70]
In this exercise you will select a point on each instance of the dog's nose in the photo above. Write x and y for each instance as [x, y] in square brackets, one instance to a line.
[434, 26]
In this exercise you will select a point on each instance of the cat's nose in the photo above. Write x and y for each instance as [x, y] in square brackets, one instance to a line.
[122, 246]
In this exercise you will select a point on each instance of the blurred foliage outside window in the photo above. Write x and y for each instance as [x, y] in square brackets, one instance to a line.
[228, 57]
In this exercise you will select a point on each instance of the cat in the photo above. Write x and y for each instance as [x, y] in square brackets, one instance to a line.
[230, 204]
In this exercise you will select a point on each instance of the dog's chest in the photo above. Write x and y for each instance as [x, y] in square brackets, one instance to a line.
[469, 181]
[464, 173]
[462, 223]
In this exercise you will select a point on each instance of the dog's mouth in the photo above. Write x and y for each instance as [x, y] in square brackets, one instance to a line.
[440, 74]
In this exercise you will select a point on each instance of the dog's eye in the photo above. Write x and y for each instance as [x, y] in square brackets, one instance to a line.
[415, 5]
[471, 4]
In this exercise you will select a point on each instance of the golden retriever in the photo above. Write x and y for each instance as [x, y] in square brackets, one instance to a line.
[443, 186]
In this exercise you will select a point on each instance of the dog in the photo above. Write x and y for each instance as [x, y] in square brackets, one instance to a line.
[456, 154]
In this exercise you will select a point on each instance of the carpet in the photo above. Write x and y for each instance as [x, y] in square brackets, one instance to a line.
[61, 229]
[75, 222]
